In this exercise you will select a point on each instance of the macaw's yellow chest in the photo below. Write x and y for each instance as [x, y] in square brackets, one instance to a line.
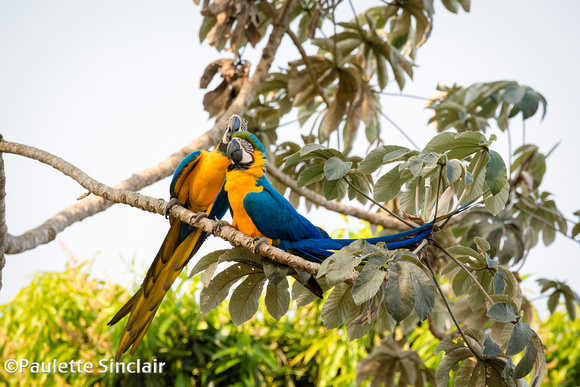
[238, 185]
[205, 180]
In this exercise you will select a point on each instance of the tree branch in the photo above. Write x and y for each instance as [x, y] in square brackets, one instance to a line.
[48, 230]
[341, 208]
[158, 206]
[2, 214]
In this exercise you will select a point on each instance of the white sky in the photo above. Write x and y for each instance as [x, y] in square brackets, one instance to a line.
[113, 88]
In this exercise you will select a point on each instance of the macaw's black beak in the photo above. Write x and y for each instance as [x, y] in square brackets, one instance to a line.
[235, 151]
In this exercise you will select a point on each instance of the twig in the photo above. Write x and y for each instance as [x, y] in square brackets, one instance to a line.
[404, 95]
[450, 311]
[462, 266]
[411, 225]
[159, 206]
[543, 221]
[341, 208]
[399, 129]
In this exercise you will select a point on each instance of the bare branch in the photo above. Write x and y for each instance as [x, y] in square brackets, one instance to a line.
[47, 231]
[158, 206]
[2, 214]
[341, 208]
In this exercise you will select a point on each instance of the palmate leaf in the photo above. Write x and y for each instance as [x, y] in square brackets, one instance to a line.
[335, 308]
[387, 362]
[399, 293]
[217, 290]
[245, 298]
[277, 299]
[370, 279]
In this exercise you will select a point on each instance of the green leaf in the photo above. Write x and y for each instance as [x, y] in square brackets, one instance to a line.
[448, 345]
[458, 146]
[277, 299]
[450, 361]
[514, 93]
[244, 301]
[399, 293]
[496, 203]
[461, 283]
[526, 365]
[376, 158]
[424, 291]
[468, 374]
[335, 308]
[275, 272]
[495, 173]
[335, 168]
[389, 185]
[370, 279]
[519, 338]
[310, 175]
[205, 261]
[333, 189]
[502, 312]
[491, 348]
[553, 300]
[217, 290]
[454, 170]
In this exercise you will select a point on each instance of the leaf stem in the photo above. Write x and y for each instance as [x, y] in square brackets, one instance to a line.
[462, 266]
[411, 225]
[428, 264]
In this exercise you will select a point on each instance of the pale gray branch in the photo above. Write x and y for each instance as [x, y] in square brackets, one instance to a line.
[48, 230]
[158, 206]
[2, 214]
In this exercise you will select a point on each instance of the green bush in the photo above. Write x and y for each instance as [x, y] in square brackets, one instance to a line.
[63, 316]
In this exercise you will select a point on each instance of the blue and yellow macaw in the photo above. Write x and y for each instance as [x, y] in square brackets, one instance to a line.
[262, 212]
[196, 183]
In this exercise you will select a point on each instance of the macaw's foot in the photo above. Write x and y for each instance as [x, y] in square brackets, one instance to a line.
[172, 203]
[218, 226]
[197, 217]
[259, 241]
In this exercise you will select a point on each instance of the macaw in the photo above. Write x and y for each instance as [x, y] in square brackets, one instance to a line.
[262, 212]
[195, 184]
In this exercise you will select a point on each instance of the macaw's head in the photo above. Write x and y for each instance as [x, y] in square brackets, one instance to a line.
[234, 124]
[245, 151]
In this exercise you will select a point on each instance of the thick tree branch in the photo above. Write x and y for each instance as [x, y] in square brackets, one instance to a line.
[158, 206]
[48, 230]
[341, 208]
[2, 214]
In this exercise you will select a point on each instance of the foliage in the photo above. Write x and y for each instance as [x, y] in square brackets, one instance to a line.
[334, 91]
[414, 305]
[63, 316]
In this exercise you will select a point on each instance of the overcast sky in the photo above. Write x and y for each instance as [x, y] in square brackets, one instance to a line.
[113, 88]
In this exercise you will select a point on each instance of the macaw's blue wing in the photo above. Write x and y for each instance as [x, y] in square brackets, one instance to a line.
[275, 217]
[181, 173]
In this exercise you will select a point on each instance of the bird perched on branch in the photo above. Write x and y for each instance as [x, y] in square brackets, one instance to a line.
[262, 212]
[195, 185]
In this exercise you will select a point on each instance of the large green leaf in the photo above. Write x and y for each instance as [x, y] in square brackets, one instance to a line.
[277, 299]
[400, 292]
[217, 290]
[370, 279]
[335, 308]
[495, 173]
[335, 168]
[245, 298]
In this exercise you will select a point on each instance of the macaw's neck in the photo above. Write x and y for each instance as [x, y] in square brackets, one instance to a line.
[254, 168]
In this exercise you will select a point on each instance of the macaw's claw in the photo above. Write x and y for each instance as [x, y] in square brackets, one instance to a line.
[172, 203]
[197, 217]
[259, 241]
[218, 226]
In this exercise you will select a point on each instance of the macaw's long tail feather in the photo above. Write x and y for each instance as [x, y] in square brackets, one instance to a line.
[318, 249]
[168, 263]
